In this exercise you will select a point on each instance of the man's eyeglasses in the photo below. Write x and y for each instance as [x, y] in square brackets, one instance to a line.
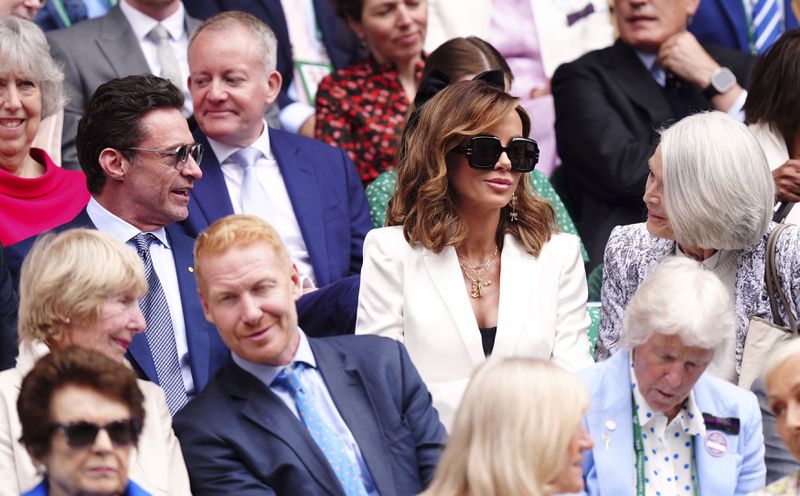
[83, 434]
[181, 153]
[483, 152]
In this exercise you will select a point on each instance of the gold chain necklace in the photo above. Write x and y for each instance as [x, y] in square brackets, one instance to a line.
[478, 271]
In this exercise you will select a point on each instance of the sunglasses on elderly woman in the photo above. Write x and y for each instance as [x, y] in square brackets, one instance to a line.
[181, 153]
[483, 152]
[84, 434]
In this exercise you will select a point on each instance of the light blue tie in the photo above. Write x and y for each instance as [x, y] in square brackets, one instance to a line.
[332, 446]
[159, 333]
[254, 197]
[767, 25]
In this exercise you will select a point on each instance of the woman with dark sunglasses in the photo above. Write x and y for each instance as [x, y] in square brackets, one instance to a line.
[81, 415]
[472, 264]
[81, 288]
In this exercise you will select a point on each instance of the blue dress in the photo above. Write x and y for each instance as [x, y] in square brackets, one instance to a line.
[42, 490]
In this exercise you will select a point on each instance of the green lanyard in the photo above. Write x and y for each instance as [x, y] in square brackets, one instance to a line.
[638, 448]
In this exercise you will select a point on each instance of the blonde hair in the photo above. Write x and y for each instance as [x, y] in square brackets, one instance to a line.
[512, 430]
[423, 202]
[66, 277]
[237, 231]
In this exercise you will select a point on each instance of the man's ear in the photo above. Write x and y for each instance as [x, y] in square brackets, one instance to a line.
[297, 288]
[691, 8]
[114, 164]
[273, 84]
[206, 312]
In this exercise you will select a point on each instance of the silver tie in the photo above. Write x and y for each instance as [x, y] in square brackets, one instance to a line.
[166, 57]
[254, 197]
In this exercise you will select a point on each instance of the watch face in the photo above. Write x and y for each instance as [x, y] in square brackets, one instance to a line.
[723, 80]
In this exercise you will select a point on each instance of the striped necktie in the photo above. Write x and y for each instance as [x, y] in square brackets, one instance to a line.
[767, 24]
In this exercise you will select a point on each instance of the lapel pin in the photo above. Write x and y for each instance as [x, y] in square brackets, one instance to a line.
[716, 444]
[611, 425]
[191, 269]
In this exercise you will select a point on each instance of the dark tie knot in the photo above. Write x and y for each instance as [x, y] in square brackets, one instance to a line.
[143, 241]
[289, 378]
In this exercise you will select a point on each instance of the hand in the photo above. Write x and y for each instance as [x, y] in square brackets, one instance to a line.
[307, 128]
[787, 181]
[540, 92]
[683, 55]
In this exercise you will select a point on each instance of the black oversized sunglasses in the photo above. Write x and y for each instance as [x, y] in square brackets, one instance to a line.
[83, 434]
[483, 152]
[181, 153]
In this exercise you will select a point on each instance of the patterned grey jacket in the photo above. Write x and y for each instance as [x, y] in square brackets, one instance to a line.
[632, 254]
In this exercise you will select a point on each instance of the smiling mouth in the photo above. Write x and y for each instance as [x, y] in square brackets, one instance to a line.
[11, 123]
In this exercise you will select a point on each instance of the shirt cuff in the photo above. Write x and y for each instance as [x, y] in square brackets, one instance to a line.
[736, 110]
[294, 115]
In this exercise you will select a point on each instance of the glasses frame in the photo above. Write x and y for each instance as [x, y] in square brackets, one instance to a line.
[196, 151]
[131, 425]
[468, 151]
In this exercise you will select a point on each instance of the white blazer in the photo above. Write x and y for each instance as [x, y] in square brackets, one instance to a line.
[418, 297]
[559, 41]
[156, 465]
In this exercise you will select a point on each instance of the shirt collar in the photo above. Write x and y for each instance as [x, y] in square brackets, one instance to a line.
[689, 416]
[107, 222]
[267, 373]
[223, 151]
[142, 24]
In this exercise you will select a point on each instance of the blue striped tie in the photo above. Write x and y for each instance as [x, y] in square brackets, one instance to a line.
[159, 333]
[767, 24]
[329, 442]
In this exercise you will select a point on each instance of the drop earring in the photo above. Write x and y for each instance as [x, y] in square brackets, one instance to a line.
[513, 203]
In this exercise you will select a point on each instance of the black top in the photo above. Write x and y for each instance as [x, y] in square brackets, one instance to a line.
[487, 338]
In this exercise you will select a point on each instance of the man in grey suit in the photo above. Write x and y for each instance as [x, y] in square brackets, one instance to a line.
[135, 37]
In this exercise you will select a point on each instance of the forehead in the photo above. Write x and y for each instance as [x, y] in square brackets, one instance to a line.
[510, 125]
[72, 403]
[786, 377]
[673, 346]
[241, 265]
[233, 45]
[164, 128]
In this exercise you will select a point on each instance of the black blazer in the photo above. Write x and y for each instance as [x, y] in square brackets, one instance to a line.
[608, 113]
[238, 437]
[8, 317]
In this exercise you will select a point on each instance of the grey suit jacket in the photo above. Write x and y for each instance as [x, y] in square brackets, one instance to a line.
[93, 52]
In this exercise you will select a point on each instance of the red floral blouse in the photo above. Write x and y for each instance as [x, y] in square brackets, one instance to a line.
[362, 109]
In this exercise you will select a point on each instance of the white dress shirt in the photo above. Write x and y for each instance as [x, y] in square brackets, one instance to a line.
[311, 377]
[280, 214]
[175, 25]
[164, 265]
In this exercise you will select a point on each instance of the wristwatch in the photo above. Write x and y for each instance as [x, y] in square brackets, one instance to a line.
[721, 81]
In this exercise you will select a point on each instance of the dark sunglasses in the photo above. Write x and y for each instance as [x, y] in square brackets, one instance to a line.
[483, 152]
[181, 153]
[83, 434]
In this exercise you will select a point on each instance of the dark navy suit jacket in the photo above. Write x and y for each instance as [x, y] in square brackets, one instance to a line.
[8, 318]
[341, 44]
[326, 195]
[207, 352]
[239, 438]
[724, 23]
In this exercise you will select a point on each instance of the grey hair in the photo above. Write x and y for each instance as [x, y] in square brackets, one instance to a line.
[718, 188]
[782, 354]
[24, 50]
[683, 299]
[265, 37]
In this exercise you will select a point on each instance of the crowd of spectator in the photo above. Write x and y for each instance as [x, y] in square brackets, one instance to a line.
[399, 247]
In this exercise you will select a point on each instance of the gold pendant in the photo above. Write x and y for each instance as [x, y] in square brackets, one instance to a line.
[476, 289]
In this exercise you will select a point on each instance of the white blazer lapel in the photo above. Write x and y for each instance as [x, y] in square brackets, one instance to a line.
[518, 287]
[446, 276]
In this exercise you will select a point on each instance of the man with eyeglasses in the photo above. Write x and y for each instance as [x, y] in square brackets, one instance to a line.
[134, 37]
[141, 162]
[308, 190]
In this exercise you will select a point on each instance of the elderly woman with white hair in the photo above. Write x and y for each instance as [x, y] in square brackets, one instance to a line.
[537, 447]
[81, 288]
[35, 193]
[687, 431]
[709, 197]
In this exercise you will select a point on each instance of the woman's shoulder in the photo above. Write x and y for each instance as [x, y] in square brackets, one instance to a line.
[386, 239]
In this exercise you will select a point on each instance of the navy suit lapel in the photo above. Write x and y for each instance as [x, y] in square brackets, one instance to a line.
[736, 18]
[301, 185]
[210, 194]
[116, 40]
[636, 81]
[346, 387]
[263, 407]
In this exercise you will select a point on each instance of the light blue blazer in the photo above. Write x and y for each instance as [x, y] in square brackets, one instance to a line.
[739, 471]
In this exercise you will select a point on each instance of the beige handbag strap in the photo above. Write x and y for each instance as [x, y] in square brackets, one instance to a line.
[773, 280]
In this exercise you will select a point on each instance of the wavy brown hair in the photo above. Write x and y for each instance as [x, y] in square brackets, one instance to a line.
[423, 202]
